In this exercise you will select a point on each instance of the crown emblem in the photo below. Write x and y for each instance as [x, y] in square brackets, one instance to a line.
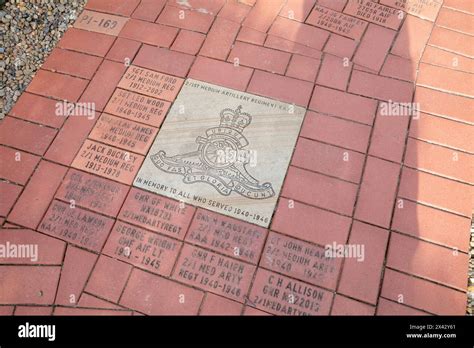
[235, 119]
[217, 160]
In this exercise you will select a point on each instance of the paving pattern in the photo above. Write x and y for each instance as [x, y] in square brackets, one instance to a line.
[395, 188]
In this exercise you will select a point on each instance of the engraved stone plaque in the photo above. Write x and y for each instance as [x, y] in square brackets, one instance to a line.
[122, 133]
[223, 150]
[427, 9]
[137, 107]
[107, 161]
[92, 192]
[300, 260]
[373, 12]
[75, 225]
[337, 22]
[226, 235]
[151, 83]
[157, 213]
[281, 295]
[144, 249]
[100, 22]
[213, 272]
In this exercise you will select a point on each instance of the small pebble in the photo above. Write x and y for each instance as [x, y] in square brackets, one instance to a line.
[30, 30]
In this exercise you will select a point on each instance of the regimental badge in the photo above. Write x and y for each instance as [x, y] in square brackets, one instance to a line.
[221, 159]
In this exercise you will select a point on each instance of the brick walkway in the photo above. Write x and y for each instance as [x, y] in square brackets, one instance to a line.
[399, 186]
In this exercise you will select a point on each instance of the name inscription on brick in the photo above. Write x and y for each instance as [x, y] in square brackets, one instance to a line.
[215, 273]
[125, 134]
[137, 107]
[144, 249]
[108, 161]
[92, 192]
[75, 225]
[157, 213]
[300, 260]
[151, 83]
[281, 295]
[427, 9]
[337, 22]
[100, 22]
[226, 235]
[373, 12]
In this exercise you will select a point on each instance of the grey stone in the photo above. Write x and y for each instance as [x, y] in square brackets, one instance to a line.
[223, 150]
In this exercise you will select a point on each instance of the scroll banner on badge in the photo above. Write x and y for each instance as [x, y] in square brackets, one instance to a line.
[214, 178]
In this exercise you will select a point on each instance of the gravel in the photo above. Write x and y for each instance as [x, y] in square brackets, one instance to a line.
[29, 30]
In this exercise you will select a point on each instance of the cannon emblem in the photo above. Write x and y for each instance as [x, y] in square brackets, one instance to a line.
[221, 159]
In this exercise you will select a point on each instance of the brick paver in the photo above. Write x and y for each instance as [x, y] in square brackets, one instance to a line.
[395, 188]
